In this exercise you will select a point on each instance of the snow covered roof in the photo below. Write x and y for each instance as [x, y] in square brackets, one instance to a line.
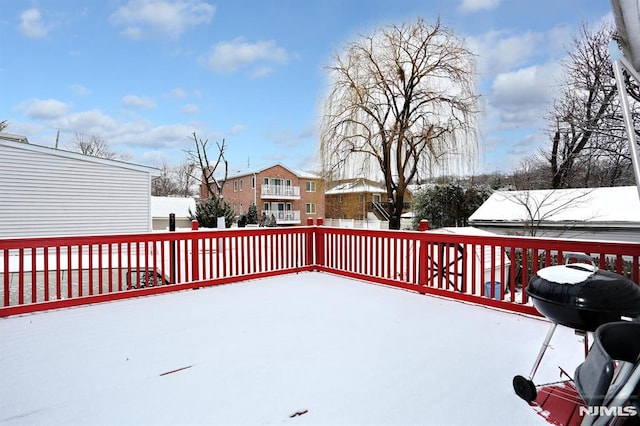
[463, 230]
[299, 173]
[357, 186]
[163, 206]
[593, 205]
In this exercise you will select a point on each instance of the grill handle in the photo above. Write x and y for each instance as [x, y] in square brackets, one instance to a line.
[580, 257]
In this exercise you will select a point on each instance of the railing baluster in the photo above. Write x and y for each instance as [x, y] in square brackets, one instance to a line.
[34, 280]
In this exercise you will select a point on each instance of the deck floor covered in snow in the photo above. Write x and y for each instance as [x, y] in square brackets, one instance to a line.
[308, 348]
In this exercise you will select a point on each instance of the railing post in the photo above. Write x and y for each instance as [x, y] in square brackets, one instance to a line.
[172, 253]
[319, 237]
[422, 253]
[195, 261]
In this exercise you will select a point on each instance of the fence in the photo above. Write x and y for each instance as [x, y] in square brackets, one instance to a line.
[46, 273]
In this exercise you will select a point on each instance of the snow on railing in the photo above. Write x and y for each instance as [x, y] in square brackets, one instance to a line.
[46, 273]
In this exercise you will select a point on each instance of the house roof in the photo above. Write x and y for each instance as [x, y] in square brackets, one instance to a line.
[14, 138]
[357, 186]
[21, 142]
[299, 173]
[594, 205]
[163, 206]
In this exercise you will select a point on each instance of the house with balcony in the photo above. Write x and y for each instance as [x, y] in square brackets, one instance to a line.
[360, 199]
[291, 196]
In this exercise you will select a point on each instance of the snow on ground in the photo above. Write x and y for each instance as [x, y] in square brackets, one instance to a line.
[339, 351]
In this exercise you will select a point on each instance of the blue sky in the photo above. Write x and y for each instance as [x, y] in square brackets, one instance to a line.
[145, 74]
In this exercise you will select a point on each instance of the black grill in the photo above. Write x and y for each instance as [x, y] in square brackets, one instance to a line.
[583, 297]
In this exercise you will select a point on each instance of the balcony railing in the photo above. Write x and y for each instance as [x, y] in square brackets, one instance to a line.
[284, 217]
[282, 192]
[46, 273]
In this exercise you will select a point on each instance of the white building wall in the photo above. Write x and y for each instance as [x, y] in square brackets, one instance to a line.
[45, 192]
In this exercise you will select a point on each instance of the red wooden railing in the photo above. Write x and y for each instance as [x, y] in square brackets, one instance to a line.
[491, 270]
[47, 273]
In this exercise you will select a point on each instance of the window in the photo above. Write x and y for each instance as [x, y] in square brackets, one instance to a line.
[377, 198]
[311, 208]
[235, 186]
[265, 206]
[265, 181]
[311, 186]
[240, 184]
[361, 198]
[253, 182]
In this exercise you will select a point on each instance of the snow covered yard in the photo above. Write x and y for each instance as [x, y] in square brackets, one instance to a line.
[308, 348]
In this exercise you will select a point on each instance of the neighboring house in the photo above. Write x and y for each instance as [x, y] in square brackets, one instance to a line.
[358, 199]
[602, 214]
[162, 207]
[291, 196]
[46, 192]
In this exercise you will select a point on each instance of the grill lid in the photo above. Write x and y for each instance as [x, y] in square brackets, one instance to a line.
[574, 273]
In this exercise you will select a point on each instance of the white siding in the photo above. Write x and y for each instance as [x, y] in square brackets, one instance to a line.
[43, 193]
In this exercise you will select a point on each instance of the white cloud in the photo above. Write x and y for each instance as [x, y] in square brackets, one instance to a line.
[238, 128]
[522, 97]
[31, 24]
[190, 109]
[502, 51]
[229, 56]
[261, 72]
[178, 93]
[145, 18]
[92, 121]
[139, 102]
[470, 6]
[79, 89]
[44, 109]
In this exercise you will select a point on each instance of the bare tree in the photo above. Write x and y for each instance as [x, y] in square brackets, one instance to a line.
[185, 178]
[587, 130]
[95, 146]
[402, 102]
[208, 169]
[532, 172]
[541, 206]
[164, 185]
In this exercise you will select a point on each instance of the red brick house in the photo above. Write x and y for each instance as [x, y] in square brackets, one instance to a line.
[290, 195]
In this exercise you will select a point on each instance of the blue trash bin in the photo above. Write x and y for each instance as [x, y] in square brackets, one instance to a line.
[496, 289]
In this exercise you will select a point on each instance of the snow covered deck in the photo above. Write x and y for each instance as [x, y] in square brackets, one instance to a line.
[307, 348]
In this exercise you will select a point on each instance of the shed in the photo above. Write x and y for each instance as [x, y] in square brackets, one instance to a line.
[162, 207]
[601, 214]
[51, 192]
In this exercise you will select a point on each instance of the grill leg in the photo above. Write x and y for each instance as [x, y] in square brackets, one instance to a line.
[543, 349]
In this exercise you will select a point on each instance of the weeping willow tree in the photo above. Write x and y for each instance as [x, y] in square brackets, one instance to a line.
[401, 105]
